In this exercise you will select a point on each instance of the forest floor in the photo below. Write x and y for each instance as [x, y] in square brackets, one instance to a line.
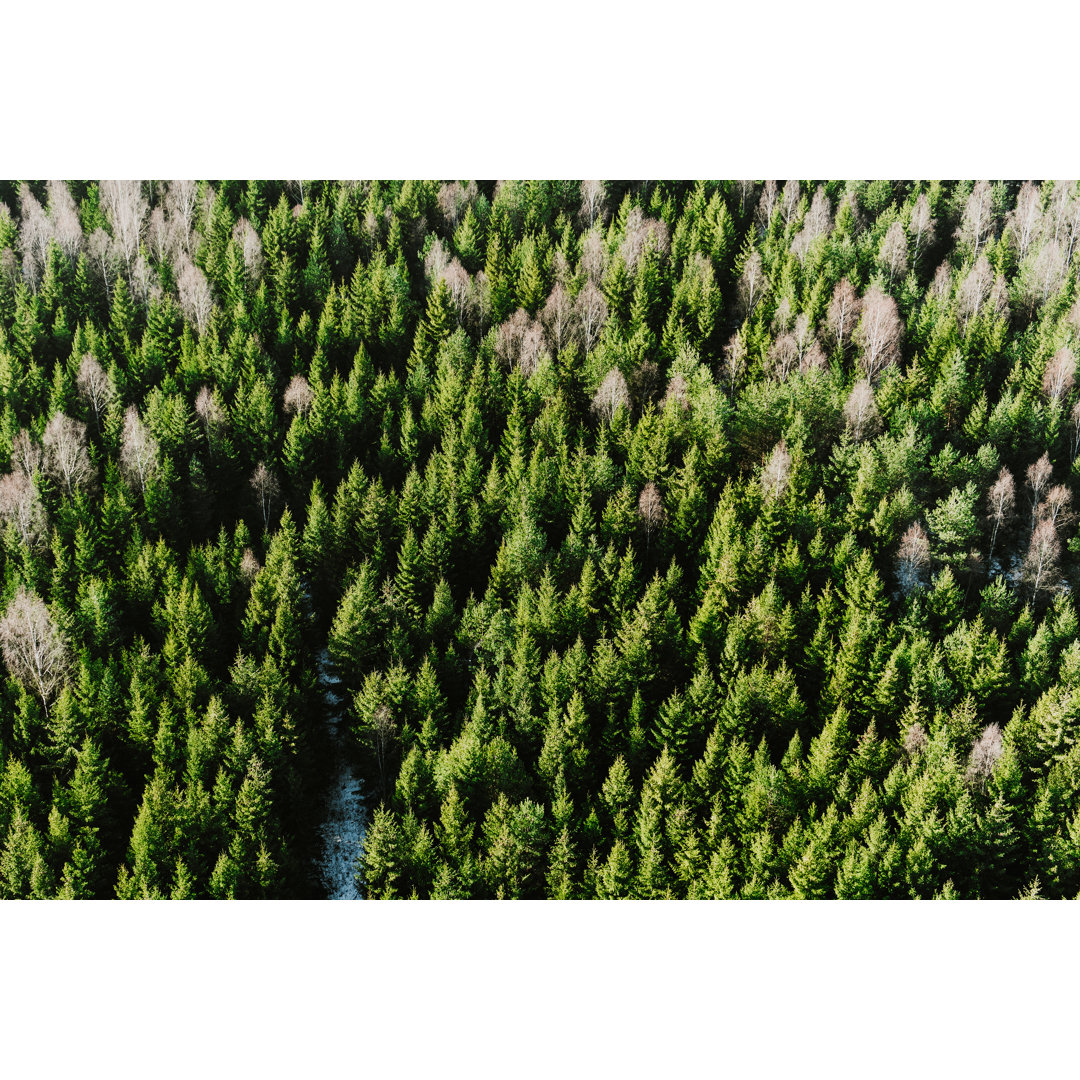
[343, 827]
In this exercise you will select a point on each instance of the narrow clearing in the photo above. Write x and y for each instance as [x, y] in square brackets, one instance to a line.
[342, 831]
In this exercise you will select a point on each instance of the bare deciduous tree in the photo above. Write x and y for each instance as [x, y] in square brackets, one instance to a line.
[921, 225]
[1040, 570]
[844, 311]
[181, 200]
[460, 285]
[66, 456]
[974, 290]
[1025, 221]
[984, 756]
[734, 359]
[1047, 274]
[941, 285]
[35, 231]
[789, 201]
[1074, 431]
[249, 565]
[247, 239]
[784, 356]
[138, 450]
[209, 410]
[95, 387]
[267, 489]
[592, 313]
[126, 208]
[1056, 507]
[558, 318]
[999, 504]
[977, 223]
[34, 649]
[196, 299]
[818, 222]
[611, 395]
[777, 473]
[64, 215]
[678, 391]
[594, 255]
[298, 396]
[104, 255]
[878, 333]
[1060, 374]
[436, 260]
[26, 453]
[860, 410]
[893, 251]
[454, 199]
[915, 740]
[20, 503]
[912, 558]
[651, 509]
[593, 202]
[1038, 477]
[752, 283]
[642, 232]
[767, 203]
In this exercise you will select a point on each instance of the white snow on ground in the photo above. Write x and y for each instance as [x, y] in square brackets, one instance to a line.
[343, 830]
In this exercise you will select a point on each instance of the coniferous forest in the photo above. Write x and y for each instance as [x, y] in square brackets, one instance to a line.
[604, 539]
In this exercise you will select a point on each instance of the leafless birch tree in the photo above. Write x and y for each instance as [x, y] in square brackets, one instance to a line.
[267, 489]
[999, 504]
[752, 283]
[298, 396]
[1060, 374]
[921, 225]
[66, 456]
[138, 450]
[860, 410]
[26, 454]
[1038, 478]
[977, 223]
[913, 558]
[1025, 220]
[984, 756]
[64, 217]
[95, 387]
[592, 313]
[878, 333]
[593, 202]
[126, 208]
[21, 504]
[558, 319]
[611, 395]
[196, 299]
[1040, 570]
[844, 311]
[651, 510]
[33, 647]
[777, 472]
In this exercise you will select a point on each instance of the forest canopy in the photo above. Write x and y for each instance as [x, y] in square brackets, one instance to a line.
[660, 539]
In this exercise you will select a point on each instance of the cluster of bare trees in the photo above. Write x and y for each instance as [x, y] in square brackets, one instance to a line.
[522, 341]
[796, 347]
[1050, 512]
